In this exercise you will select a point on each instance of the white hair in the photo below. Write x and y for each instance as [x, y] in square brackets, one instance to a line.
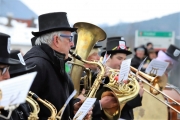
[94, 50]
[47, 38]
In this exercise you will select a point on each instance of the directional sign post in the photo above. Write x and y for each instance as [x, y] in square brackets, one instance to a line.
[160, 40]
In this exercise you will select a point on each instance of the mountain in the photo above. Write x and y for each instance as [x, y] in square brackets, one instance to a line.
[166, 23]
[16, 9]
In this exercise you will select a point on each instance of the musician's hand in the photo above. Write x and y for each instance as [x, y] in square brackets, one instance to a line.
[141, 91]
[81, 96]
[89, 115]
[106, 71]
[108, 102]
[77, 106]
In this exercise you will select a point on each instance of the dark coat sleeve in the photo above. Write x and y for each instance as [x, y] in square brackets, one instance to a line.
[41, 74]
[135, 62]
[136, 102]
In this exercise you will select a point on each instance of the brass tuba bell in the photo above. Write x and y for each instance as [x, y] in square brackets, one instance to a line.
[88, 36]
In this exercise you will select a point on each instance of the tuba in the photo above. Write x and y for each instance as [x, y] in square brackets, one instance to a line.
[88, 35]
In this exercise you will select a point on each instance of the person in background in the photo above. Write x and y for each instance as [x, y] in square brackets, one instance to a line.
[149, 45]
[140, 54]
[152, 54]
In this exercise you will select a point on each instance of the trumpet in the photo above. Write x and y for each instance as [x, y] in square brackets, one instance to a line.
[156, 84]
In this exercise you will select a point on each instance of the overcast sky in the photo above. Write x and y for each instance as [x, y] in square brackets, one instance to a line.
[106, 11]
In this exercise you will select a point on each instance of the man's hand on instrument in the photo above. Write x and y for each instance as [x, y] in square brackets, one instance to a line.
[141, 91]
[108, 102]
[89, 115]
[106, 71]
[76, 108]
[81, 96]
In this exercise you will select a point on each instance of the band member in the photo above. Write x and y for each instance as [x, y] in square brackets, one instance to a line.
[140, 54]
[54, 40]
[172, 56]
[6, 62]
[21, 68]
[116, 46]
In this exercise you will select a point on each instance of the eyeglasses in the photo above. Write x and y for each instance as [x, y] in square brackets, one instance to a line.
[4, 70]
[67, 36]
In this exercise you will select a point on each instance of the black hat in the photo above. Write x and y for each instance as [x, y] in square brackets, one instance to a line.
[116, 45]
[142, 47]
[5, 43]
[75, 42]
[33, 40]
[51, 22]
[21, 68]
[173, 52]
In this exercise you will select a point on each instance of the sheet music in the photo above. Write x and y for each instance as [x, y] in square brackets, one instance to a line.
[157, 67]
[15, 90]
[84, 109]
[124, 71]
[67, 101]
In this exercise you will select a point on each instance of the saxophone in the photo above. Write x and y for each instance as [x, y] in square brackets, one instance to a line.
[46, 103]
[35, 106]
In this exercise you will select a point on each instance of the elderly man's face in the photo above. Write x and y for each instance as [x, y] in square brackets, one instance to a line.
[4, 72]
[65, 43]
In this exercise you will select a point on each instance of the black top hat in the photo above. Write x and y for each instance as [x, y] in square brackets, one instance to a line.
[19, 69]
[51, 22]
[142, 47]
[33, 40]
[173, 52]
[5, 43]
[75, 42]
[116, 45]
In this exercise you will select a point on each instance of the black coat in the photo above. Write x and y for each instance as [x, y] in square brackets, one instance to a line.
[135, 62]
[127, 111]
[20, 113]
[51, 82]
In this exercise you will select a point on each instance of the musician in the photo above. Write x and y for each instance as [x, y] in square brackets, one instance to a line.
[116, 47]
[53, 43]
[172, 56]
[6, 62]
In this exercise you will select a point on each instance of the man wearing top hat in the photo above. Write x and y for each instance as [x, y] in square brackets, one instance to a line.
[116, 47]
[6, 62]
[172, 56]
[52, 45]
